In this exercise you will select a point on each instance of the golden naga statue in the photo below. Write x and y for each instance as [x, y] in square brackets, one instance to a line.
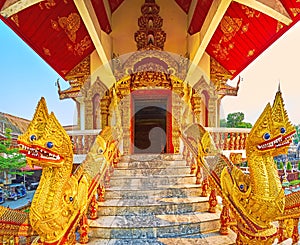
[258, 197]
[62, 196]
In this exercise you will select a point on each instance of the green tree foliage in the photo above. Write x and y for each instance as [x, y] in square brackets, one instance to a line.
[296, 138]
[235, 120]
[10, 158]
[223, 123]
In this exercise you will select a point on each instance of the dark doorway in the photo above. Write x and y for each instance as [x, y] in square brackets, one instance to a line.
[150, 126]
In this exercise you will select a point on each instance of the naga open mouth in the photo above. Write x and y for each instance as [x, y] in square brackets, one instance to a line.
[270, 144]
[39, 153]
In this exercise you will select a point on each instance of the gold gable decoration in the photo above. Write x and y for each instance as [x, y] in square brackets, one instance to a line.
[76, 78]
[150, 35]
[219, 76]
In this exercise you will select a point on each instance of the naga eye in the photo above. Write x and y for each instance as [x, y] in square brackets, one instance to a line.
[241, 187]
[71, 199]
[282, 130]
[49, 144]
[32, 137]
[266, 136]
[100, 151]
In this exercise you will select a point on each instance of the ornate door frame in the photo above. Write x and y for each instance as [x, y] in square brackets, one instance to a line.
[152, 94]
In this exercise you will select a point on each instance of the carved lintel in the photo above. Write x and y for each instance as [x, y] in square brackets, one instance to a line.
[150, 79]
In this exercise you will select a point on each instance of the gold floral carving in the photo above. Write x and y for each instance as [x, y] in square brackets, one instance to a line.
[15, 19]
[150, 79]
[295, 11]
[46, 51]
[251, 52]
[55, 25]
[79, 48]
[245, 28]
[217, 72]
[70, 25]
[221, 51]
[82, 69]
[77, 77]
[230, 26]
[150, 35]
[279, 26]
[47, 4]
[251, 13]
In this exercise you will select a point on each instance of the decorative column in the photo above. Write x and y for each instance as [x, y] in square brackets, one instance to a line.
[281, 231]
[93, 208]
[295, 235]
[225, 220]
[126, 118]
[88, 113]
[204, 188]
[83, 230]
[176, 121]
[212, 201]
[212, 112]
[81, 113]
[104, 103]
[196, 105]
[101, 193]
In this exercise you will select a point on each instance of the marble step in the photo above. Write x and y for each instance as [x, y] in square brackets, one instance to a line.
[158, 206]
[174, 170]
[162, 191]
[153, 226]
[151, 157]
[149, 182]
[211, 238]
[152, 164]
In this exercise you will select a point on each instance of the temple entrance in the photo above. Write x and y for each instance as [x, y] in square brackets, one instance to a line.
[150, 126]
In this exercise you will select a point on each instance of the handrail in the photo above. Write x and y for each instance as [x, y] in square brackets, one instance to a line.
[98, 165]
[212, 176]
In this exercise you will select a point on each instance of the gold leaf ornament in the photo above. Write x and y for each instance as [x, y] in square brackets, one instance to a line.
[70, 24]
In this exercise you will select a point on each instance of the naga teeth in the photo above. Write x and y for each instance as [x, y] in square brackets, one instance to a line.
[266, 145]
[39, 153]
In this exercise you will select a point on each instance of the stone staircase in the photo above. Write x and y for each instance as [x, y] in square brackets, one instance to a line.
[152, 199]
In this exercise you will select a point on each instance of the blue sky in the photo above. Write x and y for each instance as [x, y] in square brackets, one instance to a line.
[25, 77]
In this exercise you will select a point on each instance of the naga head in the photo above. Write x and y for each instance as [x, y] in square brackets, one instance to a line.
[272, 133]
[263, 137]
[45, 143]
[282, 125]
[258, 196]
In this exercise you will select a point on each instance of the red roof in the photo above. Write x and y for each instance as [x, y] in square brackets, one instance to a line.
[244, 33]
[55, 30]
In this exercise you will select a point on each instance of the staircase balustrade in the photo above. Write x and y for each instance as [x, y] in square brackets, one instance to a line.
[82, 140]
[191, 147]
[224, 138]
[229, 138]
